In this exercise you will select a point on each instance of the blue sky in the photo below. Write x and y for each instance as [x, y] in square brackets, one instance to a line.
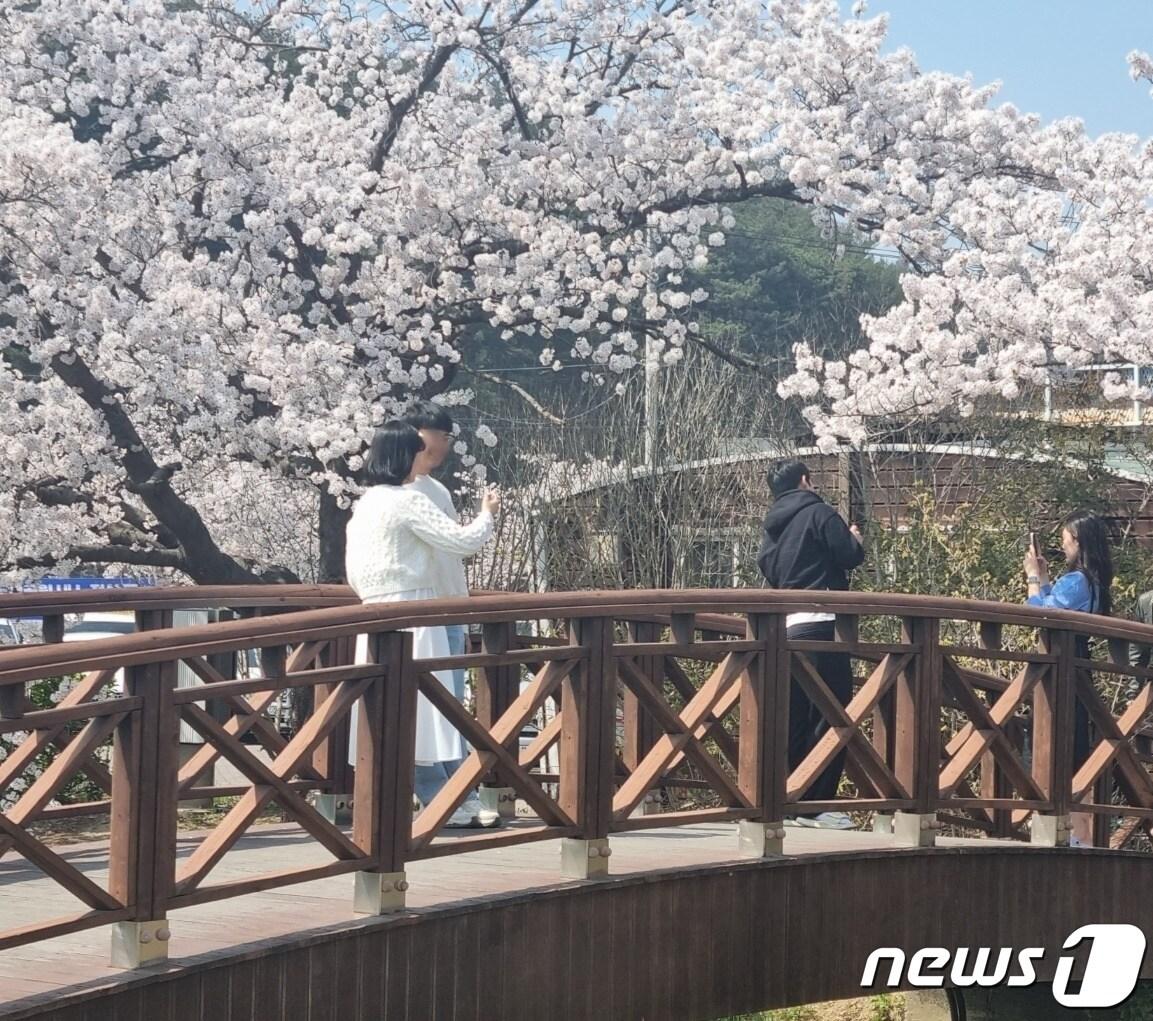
[1056, 58]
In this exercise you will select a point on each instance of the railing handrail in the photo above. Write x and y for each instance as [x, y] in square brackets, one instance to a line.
[173, 597]
[921, 739]
[20, 664]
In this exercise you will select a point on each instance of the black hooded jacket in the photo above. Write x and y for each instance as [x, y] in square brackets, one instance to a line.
[807, 544]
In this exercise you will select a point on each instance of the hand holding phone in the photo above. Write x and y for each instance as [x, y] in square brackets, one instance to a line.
[1035, 565]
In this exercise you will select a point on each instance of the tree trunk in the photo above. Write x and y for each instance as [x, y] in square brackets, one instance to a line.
[332, 523]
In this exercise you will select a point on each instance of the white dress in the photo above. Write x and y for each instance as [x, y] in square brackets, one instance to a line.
[393, 536]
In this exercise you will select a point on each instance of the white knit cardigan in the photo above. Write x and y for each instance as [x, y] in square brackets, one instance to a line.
[392, 536]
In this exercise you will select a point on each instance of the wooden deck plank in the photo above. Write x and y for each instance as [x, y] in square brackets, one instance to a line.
[227, 927]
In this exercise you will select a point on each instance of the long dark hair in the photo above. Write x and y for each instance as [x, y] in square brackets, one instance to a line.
[1094, 557]
[391, 454]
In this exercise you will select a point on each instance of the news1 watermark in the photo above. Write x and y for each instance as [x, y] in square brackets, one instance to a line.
[1111, 970]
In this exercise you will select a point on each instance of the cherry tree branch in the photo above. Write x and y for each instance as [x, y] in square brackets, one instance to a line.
[521, 392]
[108, 555]
[152, 482]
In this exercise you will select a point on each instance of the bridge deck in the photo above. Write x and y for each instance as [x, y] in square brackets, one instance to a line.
[35, 974]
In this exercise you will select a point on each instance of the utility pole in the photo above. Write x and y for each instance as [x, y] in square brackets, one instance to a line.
[652, 399]
[652, 373]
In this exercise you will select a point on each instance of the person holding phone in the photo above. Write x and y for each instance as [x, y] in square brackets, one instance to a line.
[807, 545]
[438, 433]
[394, 534]
[1087, 587]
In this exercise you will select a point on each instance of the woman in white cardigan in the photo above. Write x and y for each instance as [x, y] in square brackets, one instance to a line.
[392, 534]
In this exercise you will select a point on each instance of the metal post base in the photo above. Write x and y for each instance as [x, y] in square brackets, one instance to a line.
[379, 893]
[1050, 830]
[760, 839]
[139, 944]
[585, 859]
[336, 808]
[914, 830]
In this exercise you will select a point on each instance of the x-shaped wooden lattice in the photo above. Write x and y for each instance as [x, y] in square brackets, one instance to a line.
[844, 728]
[247, 715]
[489, 750]
[713, 727]
[57, 736]
[693, 748]
[1115, 745]
[985, 730]
[684, 735]
[270, 781]
[14, 821]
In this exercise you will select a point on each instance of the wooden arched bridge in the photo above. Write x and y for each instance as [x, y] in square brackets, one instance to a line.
[649, 726]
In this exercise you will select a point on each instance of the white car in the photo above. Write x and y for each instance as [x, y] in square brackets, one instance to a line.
[113, 624]
[91, 626]
[100, 625]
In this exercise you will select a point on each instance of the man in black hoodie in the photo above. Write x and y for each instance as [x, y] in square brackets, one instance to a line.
[807, 545]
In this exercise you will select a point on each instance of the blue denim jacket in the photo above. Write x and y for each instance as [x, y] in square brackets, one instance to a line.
[1071, 591]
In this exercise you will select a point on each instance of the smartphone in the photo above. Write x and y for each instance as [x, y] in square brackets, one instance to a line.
[1033, 547]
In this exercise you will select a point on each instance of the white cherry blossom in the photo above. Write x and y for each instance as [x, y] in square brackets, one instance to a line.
[235, 237]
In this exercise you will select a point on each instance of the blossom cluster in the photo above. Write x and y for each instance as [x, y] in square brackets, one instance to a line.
[246, 233]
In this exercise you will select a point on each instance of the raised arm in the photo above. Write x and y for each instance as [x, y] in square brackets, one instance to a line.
[429, 522]
[844, 549]
[1069, 592]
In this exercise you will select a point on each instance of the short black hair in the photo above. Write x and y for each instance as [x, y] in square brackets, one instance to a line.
[391, 454]
[785, 476]
[428, 415]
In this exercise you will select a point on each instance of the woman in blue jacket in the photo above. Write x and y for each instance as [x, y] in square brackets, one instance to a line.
[1086, 586]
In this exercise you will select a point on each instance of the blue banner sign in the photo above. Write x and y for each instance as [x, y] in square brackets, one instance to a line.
[51, 584]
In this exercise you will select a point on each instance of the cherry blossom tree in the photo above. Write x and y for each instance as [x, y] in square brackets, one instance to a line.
[1041, 274]
[236, 237]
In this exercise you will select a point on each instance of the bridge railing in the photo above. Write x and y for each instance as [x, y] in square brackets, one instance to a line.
[600, 712]
[153, 609]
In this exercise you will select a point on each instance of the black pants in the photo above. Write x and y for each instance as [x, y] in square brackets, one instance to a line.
[806, 722]
[1082, 741]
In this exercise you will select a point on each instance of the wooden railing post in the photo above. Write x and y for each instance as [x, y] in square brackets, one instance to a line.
[14, 701]
[272, 660]
[224, 663]
[994, 783]
[640, 730]
[587, 742]
[917, 738]
[1053, 701]
[52, 629]
[331, 756]
[145, 765]
[764, 737]
[385, 760]
[496, 689]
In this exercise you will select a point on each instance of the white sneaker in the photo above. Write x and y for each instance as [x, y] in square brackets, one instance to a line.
[460, 820]
[486, 818]
[473, 815]
[825, 821]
